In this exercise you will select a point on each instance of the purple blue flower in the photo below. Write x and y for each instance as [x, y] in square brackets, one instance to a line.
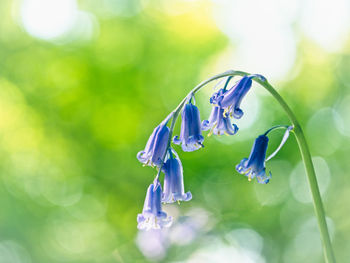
[173, 181]
[152, 216]
[156, 146]
[219, 123]
[227, 104]
[231, 100]
[191, 138]
[254, 166]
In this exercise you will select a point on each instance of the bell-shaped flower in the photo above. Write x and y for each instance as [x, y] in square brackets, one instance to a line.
[219, 123]
[174, 182]
[152, 216]
[191, 138]
[156, 146]
[231, 100]
[254, 166]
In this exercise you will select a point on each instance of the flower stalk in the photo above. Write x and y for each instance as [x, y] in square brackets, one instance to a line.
[310, 172]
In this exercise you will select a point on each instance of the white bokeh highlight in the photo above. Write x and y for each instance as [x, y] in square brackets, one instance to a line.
[326, 22]
[48, 19]
[215, 251]
[265, 34]
[261, 33]
[59, 21]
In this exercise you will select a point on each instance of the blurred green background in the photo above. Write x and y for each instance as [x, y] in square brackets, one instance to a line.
[83, 84]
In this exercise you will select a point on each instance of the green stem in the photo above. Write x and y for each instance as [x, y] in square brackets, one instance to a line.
[310, 171]
[309, 168]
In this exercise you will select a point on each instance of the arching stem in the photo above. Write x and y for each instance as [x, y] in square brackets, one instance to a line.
[310, 172]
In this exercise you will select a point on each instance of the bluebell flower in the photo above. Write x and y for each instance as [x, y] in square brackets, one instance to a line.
[254, 166]
[231, 100]
[152, 216]
[219, 123]
[227, 104]
[173, 181]
[156, 146]
[191, 138]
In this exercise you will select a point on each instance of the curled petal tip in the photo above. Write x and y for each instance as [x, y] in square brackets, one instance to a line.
[188, 196]
[176, 140]
[237, 113]
[205, 125]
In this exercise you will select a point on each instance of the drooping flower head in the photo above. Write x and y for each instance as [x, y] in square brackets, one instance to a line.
[191, 138]
[174, 189]
[152, 216]
[156, 146]
[219, 123]
[254, 166]
[226, 104]
[231, 100]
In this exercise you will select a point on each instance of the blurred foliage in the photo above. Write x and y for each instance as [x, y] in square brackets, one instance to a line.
[73, 116]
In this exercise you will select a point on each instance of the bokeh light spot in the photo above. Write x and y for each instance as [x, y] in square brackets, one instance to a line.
[322, 133]
[262, 33]
[12, 252]
[276, 191]
[217, 251]
[246, 238]
[343, 116]
[306, 246]
[48, 19]
[152, 244]
[326, 22]
[298, 181]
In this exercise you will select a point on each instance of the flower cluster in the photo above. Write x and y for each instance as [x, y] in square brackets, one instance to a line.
[226, 106]
[152, 216]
